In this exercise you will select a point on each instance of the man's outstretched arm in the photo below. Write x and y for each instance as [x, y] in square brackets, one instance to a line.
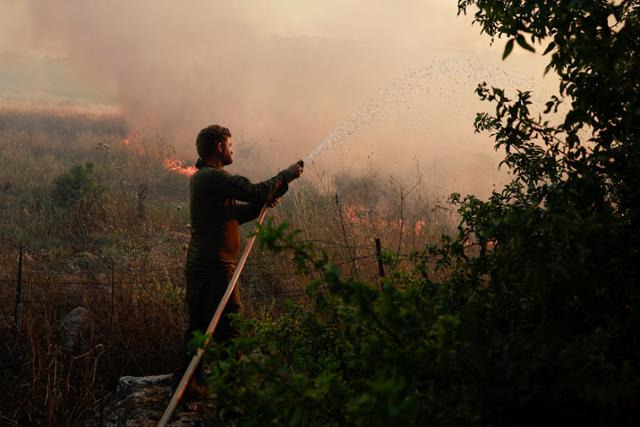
[240, 188]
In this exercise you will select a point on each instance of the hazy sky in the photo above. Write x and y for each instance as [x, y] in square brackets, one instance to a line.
[282, 74]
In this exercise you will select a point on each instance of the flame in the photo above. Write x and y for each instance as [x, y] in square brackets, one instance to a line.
[360, 215]
[134, 141]
[131, 136]
[178, 166]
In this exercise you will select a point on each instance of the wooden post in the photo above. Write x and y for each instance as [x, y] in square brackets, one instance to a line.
[113, 296]
[380, 264]
[16, 315]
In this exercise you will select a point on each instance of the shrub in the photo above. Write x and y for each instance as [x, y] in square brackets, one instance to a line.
[74, 185]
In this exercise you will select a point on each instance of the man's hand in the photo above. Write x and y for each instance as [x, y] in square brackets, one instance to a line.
[273, 203]
[294, 171]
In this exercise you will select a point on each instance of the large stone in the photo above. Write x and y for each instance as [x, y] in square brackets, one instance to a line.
[141, 401]
[73, 327]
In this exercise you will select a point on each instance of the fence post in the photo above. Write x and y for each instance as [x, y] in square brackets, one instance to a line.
[379, 258]
[113, 295]
[16, 314]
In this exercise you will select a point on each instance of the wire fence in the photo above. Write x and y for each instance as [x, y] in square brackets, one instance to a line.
[135, 319]
[266, 281]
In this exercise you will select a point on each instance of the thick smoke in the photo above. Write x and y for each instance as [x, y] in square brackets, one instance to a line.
[282, 75]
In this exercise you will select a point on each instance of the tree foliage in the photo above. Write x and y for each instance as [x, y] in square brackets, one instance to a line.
[537, 319]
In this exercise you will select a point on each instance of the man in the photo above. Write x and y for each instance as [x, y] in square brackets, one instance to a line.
[215, 240]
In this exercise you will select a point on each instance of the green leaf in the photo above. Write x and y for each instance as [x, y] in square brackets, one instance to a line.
[549, 106]
[507, 49]
[548, 68]
[549, 48]
[523, 43]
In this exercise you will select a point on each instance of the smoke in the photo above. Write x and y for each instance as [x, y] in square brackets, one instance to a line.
[281, 75]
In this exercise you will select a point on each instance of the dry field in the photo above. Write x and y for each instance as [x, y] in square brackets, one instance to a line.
[111, 238]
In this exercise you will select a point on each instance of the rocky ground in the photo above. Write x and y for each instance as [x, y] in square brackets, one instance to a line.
[140, 401]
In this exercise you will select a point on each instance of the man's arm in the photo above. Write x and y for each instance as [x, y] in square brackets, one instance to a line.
[240, 188]
[245, 213]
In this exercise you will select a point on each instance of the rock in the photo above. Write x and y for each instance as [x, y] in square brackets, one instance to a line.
[141, 401]
[87, 256]
[86, 260]
[72, 328]
[129, 385]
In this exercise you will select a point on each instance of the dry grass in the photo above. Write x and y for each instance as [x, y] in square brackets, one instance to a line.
[132, 328]
[136, 222]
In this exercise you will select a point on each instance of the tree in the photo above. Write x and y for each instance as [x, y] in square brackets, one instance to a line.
[579, 197]
[566, 230]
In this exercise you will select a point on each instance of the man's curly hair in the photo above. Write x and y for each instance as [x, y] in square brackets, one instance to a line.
[208, 139]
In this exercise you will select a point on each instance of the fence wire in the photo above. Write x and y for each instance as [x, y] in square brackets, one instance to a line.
[106, 288]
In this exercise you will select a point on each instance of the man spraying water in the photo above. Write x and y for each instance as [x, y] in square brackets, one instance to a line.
[219, 203]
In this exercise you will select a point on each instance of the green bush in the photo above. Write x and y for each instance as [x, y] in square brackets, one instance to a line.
[466, 350]
[74, 185]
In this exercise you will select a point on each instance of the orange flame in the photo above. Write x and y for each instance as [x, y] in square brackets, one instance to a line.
[179, 166]
[134, 140]
[131, 136]
[360, 215]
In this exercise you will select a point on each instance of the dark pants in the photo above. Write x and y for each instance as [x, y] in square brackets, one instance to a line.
[204, 293]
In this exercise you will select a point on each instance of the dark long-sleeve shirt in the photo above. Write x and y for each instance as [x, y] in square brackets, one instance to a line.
[216, 214]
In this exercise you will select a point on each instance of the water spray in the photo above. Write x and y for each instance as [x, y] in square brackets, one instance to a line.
[399, 94]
